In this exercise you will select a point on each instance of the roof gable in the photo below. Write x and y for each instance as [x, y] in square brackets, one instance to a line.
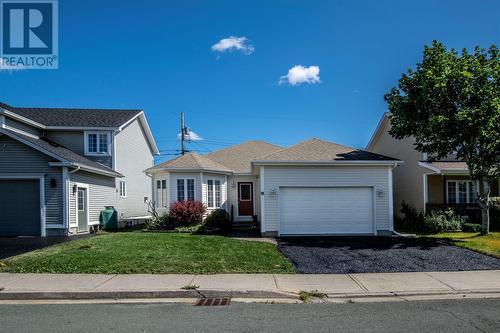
[80, 119]
[61, 153]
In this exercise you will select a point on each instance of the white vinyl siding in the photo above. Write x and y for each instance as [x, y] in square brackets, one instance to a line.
[132, 157]
[326, 176]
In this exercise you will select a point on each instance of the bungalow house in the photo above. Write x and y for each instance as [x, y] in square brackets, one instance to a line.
[312, 188]
[422, 184]
[60, 167]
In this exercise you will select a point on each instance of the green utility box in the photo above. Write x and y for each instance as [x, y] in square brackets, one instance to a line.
[109, 218]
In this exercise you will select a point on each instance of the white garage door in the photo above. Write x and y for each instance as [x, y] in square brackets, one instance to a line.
[316, 211]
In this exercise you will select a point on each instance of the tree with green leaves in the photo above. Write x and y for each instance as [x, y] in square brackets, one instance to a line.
[451, 105]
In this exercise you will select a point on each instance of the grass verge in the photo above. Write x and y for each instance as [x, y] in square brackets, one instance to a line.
[487, 244]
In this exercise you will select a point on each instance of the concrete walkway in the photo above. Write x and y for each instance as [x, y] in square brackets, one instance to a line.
[101, 286]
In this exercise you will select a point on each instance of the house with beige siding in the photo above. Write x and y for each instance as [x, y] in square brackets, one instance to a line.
[59, 168]
[312, 188]
[422, 184]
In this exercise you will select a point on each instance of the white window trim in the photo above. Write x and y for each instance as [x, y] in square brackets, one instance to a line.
[457, 195]
[214, 206]
[124, 183]
[86, 143]
[158, 202]
[185, 188]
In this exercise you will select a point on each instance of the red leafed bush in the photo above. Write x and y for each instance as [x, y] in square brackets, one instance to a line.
[187, 213]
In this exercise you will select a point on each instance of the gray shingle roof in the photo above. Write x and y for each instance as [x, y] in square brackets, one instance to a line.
[323, 151]
[190, 161]
[74, 117]
[63, 153]
[239, 157]
[450, 165]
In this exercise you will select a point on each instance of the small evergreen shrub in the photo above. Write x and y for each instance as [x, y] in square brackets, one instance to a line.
[186, 213]
[471, 227]
[218, 219]
[443, 221]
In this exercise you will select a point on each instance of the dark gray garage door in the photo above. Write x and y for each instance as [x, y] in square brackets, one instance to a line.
[20, 207]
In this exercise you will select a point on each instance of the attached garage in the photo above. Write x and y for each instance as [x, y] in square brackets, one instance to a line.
[322, 188]
[20, 217]
[326, 211]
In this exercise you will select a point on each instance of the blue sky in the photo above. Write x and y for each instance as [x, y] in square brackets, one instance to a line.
[157, 56]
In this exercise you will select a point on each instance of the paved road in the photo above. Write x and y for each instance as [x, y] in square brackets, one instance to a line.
[416, 316]
[342, 255]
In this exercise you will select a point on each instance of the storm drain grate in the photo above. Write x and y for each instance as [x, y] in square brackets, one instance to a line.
[213, 301]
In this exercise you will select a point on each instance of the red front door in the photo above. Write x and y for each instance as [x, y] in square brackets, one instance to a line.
[245, 199]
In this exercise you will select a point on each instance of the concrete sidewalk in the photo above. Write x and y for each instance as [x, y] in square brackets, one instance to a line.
[101, 286]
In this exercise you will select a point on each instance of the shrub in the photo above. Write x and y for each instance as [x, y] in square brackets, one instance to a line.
[218, 219]
[412, 220]
[186, 213]
[442, 221]
[471, 227]
[162, 222]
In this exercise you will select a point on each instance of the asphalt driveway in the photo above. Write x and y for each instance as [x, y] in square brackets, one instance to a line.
[341, 255]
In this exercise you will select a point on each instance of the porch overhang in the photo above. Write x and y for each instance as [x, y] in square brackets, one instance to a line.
[456, 168]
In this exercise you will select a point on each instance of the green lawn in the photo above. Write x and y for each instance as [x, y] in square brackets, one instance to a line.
[138, 252]
[489, 244]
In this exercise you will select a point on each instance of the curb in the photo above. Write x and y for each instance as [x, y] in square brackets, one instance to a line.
[86, 295]
[240, 294]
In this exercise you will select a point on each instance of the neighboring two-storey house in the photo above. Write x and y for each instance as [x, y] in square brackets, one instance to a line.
[426, 185]
[59, 168]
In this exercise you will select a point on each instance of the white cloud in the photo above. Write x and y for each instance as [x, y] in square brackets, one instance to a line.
[299, 74]
[7, 67]
[234, 44]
